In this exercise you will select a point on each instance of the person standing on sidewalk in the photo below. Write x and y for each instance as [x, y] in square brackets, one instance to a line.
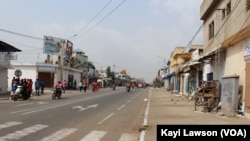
[13, 87]
[29, 88]
[37, 87]
[42, 86]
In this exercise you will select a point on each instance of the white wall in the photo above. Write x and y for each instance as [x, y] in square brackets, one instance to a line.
[27, 72]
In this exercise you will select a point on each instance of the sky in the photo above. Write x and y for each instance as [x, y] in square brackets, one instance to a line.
[136, 35]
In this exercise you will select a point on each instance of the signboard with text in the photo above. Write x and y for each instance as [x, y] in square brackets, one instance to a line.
[247, 50]
[53, 45]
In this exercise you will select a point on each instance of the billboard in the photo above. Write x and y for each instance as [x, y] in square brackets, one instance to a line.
[68, 53]
[52, 45]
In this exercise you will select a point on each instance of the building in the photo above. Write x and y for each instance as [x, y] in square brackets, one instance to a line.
[49, 73]
[178, 58]
[226, 36]
[6, 54]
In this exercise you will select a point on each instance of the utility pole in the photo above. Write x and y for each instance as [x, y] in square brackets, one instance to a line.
[62, 59]
[38, 57]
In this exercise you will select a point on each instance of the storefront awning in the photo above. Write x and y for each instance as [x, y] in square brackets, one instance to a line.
[169, 75]
[191, 64]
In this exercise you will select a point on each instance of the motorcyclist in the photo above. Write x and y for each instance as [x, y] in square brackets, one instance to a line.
[128, 86]
[58, 87]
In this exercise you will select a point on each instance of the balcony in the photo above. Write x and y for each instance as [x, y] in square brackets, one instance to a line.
[207, 7]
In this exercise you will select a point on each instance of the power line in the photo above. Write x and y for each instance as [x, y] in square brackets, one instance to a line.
[190, 42]
[119, 5]
[92, 19]
[19, 34]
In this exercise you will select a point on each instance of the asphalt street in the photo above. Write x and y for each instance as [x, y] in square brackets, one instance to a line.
[159, 107]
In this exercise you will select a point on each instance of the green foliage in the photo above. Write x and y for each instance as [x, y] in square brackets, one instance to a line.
[76, 63]
[109, 73]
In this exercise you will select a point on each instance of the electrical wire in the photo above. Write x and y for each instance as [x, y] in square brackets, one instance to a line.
[190, 42]
[106, 5]
[19, 34]
[112, 11]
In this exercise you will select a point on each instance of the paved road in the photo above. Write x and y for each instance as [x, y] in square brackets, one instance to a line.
[105, 115]
[160, 107]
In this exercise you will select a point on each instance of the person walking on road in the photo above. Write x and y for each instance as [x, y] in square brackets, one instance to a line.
[64, 85]
[80, 86]
[85, 85]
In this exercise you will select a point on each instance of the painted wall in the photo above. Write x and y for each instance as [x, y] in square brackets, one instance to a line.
[235, 63]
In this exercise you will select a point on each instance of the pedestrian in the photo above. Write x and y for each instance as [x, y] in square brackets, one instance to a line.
[75, 84]
[80, 86]
[29, 88]
[37, 87]
[64, 85]
[13, 87]
[24, 91]
[42, 86]
[85, 85]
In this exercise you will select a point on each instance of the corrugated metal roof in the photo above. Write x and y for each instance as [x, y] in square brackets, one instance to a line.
[5, 47]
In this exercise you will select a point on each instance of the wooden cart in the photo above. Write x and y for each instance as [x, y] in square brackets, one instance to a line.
[207, 95]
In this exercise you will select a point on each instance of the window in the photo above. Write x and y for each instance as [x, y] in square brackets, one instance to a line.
[211, 30]
[228, 8]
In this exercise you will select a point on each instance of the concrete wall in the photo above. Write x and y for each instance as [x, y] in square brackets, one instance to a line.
[28, 72]
[227, 27]
[3, 80]
[235, 63]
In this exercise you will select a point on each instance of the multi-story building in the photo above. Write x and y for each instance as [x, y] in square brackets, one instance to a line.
[226, 37]
[177, 59]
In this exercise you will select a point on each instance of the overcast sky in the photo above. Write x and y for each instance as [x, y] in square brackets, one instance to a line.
[136, 35]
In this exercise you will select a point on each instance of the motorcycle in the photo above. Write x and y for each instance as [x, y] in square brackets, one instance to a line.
[17, 94]
[128, 88]
[56, 94]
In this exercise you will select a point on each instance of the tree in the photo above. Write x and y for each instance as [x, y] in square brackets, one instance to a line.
[110, 74]
[90, 65]
[76, 63]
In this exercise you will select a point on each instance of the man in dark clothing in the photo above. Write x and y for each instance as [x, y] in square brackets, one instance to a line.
[37, 87]
[42, 86]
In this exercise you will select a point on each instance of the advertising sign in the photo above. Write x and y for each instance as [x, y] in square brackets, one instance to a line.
[247, 50]
[68, 53]
[52, 45]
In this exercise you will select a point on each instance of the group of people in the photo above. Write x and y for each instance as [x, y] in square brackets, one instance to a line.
[39, 87]
[26, 87]
[83, 85]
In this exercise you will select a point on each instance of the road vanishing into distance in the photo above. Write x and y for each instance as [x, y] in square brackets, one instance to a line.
[105, 115]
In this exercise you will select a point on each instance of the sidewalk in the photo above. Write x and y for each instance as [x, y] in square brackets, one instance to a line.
[166, 108]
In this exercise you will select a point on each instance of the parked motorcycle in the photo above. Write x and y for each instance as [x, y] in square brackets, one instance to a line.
[56, 94]
[17, 94]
